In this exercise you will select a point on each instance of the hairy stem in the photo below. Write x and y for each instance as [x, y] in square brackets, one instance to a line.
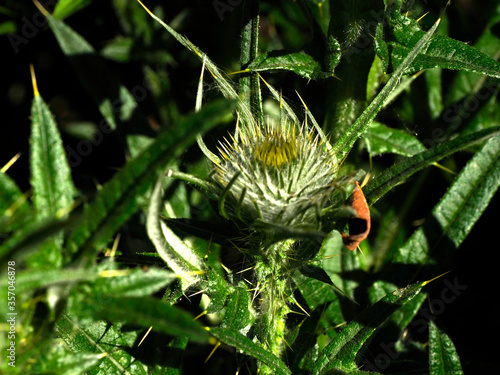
[273, 284]
[250, 84]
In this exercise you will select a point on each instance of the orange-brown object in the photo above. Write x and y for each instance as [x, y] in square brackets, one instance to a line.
[359, 226]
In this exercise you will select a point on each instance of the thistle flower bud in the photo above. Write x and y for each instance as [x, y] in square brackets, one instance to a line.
[279, 174]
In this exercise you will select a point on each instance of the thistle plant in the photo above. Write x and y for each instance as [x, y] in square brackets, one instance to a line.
[275, 176]
[258, 254]
[272, 181]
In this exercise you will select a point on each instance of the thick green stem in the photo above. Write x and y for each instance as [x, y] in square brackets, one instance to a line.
[250, 84]
[272, 273]
[352, 24]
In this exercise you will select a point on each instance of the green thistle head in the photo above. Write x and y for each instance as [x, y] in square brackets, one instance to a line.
[277, 174]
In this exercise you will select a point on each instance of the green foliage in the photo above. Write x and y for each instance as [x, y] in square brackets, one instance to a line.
[341, 352]
[243, 343]
[441, 51]
[53, 189]
[300, 63]
[458, 210]
[116, 233]
[443, 358]
[381, 139]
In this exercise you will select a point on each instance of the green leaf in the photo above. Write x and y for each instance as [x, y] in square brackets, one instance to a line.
[381, 47]
[340, 354]
[57, 359]
[134, 283]
[434, 81]
[399, 172]
[238, 313]
[382, 139]
[53, 188]
[300, 63]
[119, 198]
[315, 292]
[434, 88]
[146, 312]
[66, 8]
[453, 217]
[178, 255]
[322, 286]
[13, 205]
[243, 343]
[33, 233]
[330, 257]
[324, 298]
[441, 52]
[317, 273]
[443, 358]
[103, 340]
[375, 76]
[217, 289]
[34, 279]
[104, 278]
[404, 315]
